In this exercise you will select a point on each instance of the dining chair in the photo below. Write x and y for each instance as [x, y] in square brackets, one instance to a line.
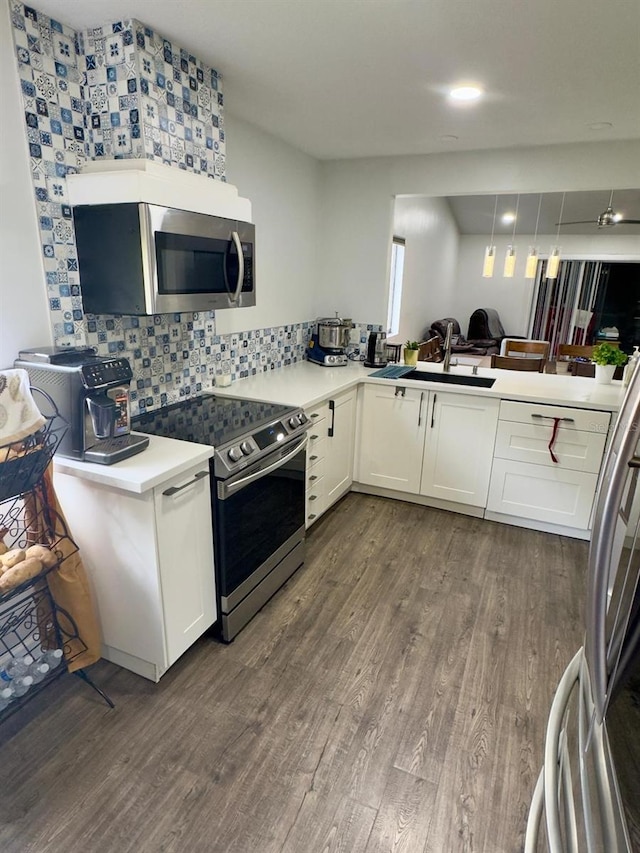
[430, 350]
[574, 351]
[526, 349]
[506, 362]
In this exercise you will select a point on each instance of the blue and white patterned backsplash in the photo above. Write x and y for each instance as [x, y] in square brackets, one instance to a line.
[123, 91]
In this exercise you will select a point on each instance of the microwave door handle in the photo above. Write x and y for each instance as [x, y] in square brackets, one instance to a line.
[236, 239]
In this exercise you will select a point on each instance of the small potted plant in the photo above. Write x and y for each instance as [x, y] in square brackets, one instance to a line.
[411, 352]
[606, 358]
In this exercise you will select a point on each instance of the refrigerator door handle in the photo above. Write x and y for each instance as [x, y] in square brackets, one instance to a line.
[553, 758]
[620, 456]
[535, 816]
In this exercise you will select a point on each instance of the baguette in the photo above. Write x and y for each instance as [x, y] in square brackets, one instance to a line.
[47, 557]
[20, 573]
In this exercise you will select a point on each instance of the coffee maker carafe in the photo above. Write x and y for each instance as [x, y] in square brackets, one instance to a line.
[92, 395]
[376, 350]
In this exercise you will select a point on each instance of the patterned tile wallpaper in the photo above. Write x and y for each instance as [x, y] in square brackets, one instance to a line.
[123, 91]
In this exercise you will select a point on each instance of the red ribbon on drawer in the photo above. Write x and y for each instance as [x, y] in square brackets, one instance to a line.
[554, 435]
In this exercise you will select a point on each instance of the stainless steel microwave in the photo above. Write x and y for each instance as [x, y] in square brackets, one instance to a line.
[139, 258]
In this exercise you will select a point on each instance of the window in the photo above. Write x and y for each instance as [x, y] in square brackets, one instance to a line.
[586, 298]
[395, 286]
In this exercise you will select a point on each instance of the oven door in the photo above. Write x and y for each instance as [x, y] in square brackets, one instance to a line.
[198, 262]
[259, 521]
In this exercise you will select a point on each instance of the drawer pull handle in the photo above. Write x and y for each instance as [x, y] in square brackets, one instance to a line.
[315, 415]
[312, 516]
[552, 418]
[313, 497]
[172, 490]
[312, 458]
[313, 477]
[313, 437]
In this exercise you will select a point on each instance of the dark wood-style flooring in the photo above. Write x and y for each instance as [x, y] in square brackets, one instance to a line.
[392, 697]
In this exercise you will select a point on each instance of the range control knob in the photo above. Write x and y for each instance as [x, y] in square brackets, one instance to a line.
[302, 418]
[294, 421]
[246, 448]
[235, 454]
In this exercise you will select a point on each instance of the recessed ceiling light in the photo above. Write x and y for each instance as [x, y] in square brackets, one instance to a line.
[465, 93]
[600, 125]
[448, 137]
[508, 218]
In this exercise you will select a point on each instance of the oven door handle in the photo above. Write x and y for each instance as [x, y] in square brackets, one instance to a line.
[225, 490]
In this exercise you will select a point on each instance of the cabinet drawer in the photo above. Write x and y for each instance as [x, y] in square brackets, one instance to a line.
[316, 450]
[586, 420]
[315, 501]
[542, 493]
[575, 450]
[315, 473]
[318, 412]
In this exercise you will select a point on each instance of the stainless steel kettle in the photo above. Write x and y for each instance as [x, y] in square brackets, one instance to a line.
[376, 350]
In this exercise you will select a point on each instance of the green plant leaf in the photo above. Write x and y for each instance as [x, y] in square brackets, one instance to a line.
[604, 353]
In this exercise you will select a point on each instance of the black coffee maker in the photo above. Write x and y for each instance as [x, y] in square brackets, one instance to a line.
[92, 395]
[376, 350]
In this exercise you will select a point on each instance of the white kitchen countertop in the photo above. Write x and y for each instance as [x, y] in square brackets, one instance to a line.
[305, 384]
[163, 459]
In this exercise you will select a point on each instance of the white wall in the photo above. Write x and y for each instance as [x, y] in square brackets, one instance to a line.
[357, 202]
[431, 255]
[24, 315]
[512, 296]
[283, 185]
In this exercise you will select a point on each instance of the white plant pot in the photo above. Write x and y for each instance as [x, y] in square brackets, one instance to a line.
[604, 373]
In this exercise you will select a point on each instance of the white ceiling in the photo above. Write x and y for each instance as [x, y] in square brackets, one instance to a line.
[474, 213]
[354, 78]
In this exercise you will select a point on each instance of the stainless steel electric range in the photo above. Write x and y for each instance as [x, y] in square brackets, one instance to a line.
[257, 493]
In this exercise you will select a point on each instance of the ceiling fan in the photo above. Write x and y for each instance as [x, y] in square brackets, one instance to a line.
[607, 219]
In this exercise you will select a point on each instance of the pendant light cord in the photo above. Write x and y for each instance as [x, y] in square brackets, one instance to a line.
[493, 226]
[560, 218]
[515, 219]
[535, 236]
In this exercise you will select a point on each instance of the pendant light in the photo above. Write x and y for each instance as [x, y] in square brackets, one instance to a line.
[532, 258]
[553, 264]
[510, 257]
[490, 251]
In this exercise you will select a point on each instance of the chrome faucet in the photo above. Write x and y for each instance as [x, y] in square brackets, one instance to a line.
[447, 348]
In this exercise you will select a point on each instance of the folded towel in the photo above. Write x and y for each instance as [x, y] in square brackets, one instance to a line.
[19, 415]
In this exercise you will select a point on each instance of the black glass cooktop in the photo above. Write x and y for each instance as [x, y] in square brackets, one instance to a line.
[209, 419]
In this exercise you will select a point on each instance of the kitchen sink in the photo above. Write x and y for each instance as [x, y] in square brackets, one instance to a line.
[449, 378]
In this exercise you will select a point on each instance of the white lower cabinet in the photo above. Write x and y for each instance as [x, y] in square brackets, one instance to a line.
[458, 449]
[340, 445]
[537, 492]
[330, 453]
[434, 444]
[391, 437]
[315, 497]
[149, 558]
[527, 482]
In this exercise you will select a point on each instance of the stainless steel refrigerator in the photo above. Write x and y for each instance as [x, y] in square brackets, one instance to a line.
[588, 793]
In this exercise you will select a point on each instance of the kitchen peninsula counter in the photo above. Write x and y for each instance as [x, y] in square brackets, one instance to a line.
[305, 384]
